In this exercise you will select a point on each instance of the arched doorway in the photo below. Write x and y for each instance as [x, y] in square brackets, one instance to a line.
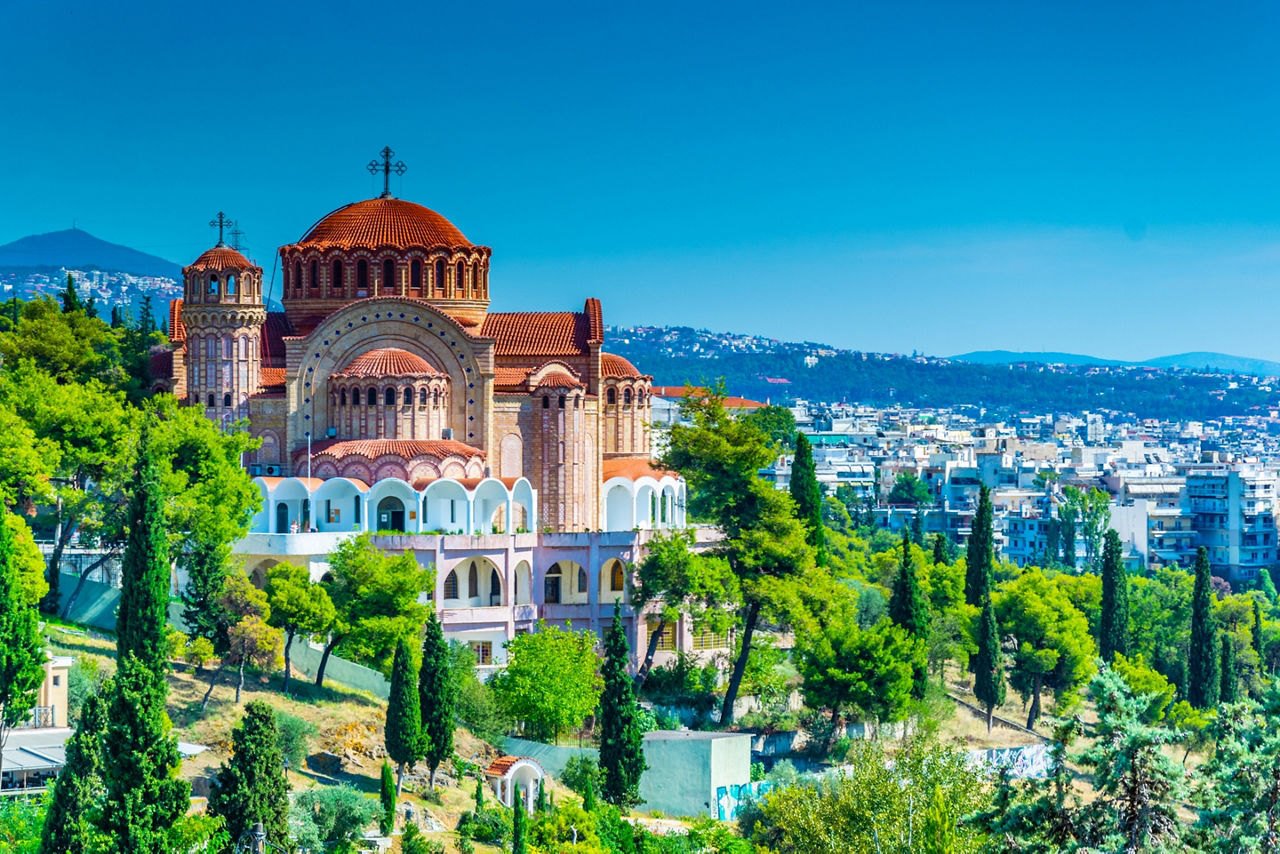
[391, 514]
[282, 518]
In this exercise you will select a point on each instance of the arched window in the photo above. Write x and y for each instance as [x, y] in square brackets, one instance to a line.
[562, 401]
[473, 582]
[439, 276]
[451, 586]
[616, 580]
[231, 284]
[213, 284]
[408, 397]
[438, 397]
[336, 281]
[211, 403]
[362, 278]
[344, 397]
[226, 400]
[372, 397]
[626, 396]
[415, 275]
[297, 274]
[546, 402]
[582, 580]
[459, 281]
[551, 586]
[611, 396]
[389, 397]
[388, 275]
[422, 397]
[495, 588]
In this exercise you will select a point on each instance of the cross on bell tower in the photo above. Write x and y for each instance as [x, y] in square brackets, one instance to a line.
[386, 167]
[223, 221]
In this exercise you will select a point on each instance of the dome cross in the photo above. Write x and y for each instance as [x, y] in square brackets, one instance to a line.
[386, 167]
[223, 221]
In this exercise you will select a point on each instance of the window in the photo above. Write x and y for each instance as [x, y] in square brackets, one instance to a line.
[213, 284]
[707, 639]
[315, 275]
[362, 278]
[551, 586]
[389, 397]
[667, 641]
[231, 284]
[343, 398]
[582, 580]
[57, 680]
[483, 651]
[211, 403]
[357, 510]
[626, 396]
[616, 579]
[422, 397]
[408, 397]
[561, 401]
[336, 281]
[473, 581]
[415, 275]
[459, 279]
[546, 402]
[451, 586]
[611, 396]
[371, 398]
[495, 589]
[439, 277]
[388, 275]
[226, 400]
[297, 274]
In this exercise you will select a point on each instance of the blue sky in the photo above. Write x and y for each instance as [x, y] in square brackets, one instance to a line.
[1090, 177]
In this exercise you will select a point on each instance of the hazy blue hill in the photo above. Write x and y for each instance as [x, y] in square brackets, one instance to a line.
[78, 249]
[1218, 362]
[1006, 357]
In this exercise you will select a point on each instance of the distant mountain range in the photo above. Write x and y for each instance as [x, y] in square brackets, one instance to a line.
[1195, 361]
[79, 250]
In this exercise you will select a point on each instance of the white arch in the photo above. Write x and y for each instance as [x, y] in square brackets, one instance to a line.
[667, 503]
[524, 496]
[395, 488]
[335, 502]
[523, 578]
[647, 491]
[489, 496]
[619, 506]
[295, 494]
[446, 506]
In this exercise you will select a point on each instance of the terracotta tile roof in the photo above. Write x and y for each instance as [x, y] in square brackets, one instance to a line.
[272, 379]
[510, 379]
[221, 258]
[559, 379]
[500, 766]
[677, 392]
[161, 364]
[376, 223]
[177, 331]
[616, 366]
[632, 468]
[273, 335]
[406, 448]
[388, 362]
[545, 333]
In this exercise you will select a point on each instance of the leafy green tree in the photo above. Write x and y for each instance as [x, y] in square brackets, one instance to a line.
[1228, 692]
[763, 541]
[202, 598]
[375, 598]
[908, 609]
[21, 648]
[143, 613]
[145, 797]
[1204, 680]
[675, 581]
[437, 696]
[1054, 648]
[1090, 514]
[1113, 633]
[1160, 617]
[1240, 797]
[330, 818]
[541, 805]
[777, 423]
[298, 607]
[621, 734]
[251, 786]
[551, 681]
[403, 736]
[980, 552]
[988, 669]
[911, 490]
[251, 640]
[1053, 543]
[387, 789]
[1145, 682]
[807, 495]
[68, 825]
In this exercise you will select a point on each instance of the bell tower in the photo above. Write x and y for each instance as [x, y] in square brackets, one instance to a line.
[223, 313]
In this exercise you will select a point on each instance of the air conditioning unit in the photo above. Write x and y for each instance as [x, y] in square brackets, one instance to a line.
[255, 470]
[331, 432]
[273, 471]
[446, 433]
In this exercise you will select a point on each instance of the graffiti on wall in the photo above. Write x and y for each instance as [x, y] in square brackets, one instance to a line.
[1031, 762]
[729, 799]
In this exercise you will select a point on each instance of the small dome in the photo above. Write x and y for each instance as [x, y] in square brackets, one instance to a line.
[558, 379]
[617, 367]
[221, 257]
[388, 362]
[377, 223]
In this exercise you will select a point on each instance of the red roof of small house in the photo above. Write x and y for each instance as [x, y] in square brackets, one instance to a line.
[677, 392]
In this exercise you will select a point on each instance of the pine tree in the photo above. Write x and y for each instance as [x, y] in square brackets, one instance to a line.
[517, 823]
[1113, 629]
[908, 608]
[980, 553]
[808, 496]
[621, 735]
[436, 697]
[203, 611]
[144, 594]
[1203, 678]
[70, 297]
[404, 738]
[144, 795]
[251, 786]
[387, 788]
[68, 828]
[1230, 677]
[988, 681]
[21, 648]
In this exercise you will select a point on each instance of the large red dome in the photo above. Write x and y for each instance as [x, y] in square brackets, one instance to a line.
[378, 223]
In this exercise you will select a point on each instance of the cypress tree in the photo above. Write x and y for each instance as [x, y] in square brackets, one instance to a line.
[808, 496]
[387, 797]
[1203, 678]
[70, 297]
[988, 681]
[1257, 629]
[917, 527]
[517, 823]
[1053, 542]
[117, 319]
[939, 550]
[436, 697]
[403, 737]
[980, 552]
[541, 805]
[621, 736]
[479, 796]
[21, 648]
[908, 608]
[589, 795]
[251, 786]
[1067, 533]
[144, 795]
[1228, 693]
[203, 611]
[144, 594]
[1113, 624]
[67, 825]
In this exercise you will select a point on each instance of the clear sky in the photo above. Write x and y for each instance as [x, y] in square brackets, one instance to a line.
[1090, 177]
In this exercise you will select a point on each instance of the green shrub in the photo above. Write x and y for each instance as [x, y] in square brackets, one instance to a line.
[578, 770]
[684, 681]
[667, 721]
[757, 772]
[413, 842]
[82, 680]
[295, 738]
[490, 826]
